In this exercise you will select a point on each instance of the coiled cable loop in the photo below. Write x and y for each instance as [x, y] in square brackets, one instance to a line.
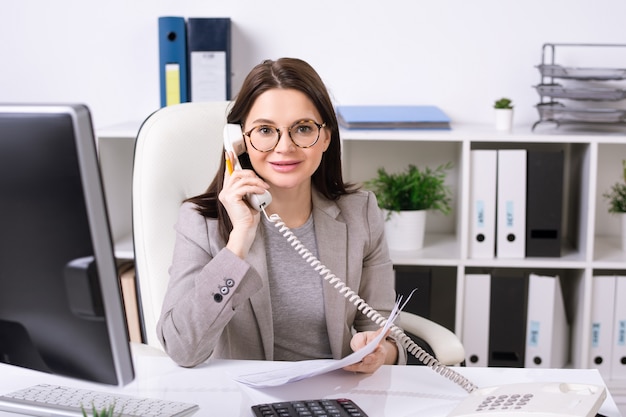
[411, 347]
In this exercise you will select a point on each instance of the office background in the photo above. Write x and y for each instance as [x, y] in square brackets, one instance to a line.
[458, 54]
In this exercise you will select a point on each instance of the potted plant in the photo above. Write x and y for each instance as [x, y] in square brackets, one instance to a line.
[105, 412]
[504, 114]
[405, 197]
[616, 197]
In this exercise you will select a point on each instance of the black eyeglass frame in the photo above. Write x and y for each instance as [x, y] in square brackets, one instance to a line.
[320, 126]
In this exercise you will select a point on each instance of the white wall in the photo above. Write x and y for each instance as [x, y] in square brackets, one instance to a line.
[458, 54]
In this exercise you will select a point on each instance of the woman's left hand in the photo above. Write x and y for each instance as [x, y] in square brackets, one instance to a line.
[385, 353]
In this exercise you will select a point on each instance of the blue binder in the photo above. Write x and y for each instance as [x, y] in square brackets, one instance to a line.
[209, 43]
[173, 60]
[389, 117]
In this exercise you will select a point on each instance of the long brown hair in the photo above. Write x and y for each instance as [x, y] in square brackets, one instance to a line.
[287, 73]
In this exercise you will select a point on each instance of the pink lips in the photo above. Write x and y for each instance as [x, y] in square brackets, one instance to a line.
[284, 166]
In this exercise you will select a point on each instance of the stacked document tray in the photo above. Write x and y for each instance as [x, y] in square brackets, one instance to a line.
[586, 90]
[581, 93]
[558, 112]
[572, 73]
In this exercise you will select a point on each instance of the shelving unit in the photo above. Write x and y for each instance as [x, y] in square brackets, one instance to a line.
[592, 163]
[591, 243]
[116, 147]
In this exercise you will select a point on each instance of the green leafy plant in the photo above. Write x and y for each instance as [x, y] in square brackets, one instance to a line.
[412, 189]
[503, 103]
[105, 412]
[617, 194]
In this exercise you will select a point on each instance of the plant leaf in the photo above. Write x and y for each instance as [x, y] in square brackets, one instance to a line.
[412, 189]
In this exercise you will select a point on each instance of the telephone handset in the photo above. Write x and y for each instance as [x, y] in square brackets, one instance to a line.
[234, 143]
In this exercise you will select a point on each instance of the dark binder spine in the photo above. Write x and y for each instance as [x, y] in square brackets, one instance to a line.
[208, 35]
[507, 319]
[418, 279]
[544, 203]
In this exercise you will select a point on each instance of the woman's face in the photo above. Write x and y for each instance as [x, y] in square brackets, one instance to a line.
[287, 166]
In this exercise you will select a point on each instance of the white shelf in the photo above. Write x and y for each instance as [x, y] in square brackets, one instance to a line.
[124, 248]
[116, 145]
[593, 163]
[437, 251]
[482, 133]
[124, 131]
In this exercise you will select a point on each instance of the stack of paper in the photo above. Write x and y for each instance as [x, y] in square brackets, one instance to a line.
[296, 371]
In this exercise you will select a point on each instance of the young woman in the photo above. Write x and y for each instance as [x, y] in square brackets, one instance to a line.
[238, 289]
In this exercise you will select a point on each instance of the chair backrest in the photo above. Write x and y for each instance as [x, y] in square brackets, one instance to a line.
[177, 153]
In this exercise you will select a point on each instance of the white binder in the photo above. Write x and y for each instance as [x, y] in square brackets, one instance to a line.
[483, 166]
[511, 200]
[476, 304]
[618, 359]
[602, 306]
[547, 330]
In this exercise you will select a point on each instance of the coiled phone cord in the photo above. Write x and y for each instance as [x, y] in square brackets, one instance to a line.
[362, 306]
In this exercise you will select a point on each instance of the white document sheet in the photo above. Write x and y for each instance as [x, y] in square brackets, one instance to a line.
[295, 371]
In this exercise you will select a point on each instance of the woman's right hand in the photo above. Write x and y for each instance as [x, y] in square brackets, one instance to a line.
[244, 218]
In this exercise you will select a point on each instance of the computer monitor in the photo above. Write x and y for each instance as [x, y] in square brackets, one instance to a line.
[60, 301]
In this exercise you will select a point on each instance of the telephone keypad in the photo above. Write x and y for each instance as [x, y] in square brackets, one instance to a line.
[504, 402]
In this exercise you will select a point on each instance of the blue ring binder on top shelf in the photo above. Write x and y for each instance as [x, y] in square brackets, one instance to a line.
[173, 60]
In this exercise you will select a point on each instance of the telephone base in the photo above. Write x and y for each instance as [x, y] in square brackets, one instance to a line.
[547, 399]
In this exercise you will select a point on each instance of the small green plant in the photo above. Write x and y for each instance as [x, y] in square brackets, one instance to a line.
[503, 103]
[412, 189]
[617, 194]
[105, 412]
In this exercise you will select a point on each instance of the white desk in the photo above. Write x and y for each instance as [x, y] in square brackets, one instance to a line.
[398, 391]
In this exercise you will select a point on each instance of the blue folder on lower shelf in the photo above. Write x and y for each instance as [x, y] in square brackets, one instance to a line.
[389, 117]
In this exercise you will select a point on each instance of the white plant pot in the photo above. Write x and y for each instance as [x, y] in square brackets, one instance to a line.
[404, 230]
[504, 119]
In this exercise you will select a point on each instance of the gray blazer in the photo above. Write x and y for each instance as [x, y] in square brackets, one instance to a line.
[218, 305]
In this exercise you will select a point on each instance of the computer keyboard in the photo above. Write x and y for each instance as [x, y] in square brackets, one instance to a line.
[341, 407]
[56, 400]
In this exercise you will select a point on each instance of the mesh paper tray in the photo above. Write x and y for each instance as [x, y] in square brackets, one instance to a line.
[599, 94]
[558, 71]
[560, 113]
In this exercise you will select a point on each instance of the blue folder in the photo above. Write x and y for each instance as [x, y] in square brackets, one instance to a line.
[402, 116]
[173, 60]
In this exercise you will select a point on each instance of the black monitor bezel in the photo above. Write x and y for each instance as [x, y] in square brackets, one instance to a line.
[107, 278]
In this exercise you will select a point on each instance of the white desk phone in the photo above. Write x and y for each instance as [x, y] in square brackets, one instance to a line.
[513, 400]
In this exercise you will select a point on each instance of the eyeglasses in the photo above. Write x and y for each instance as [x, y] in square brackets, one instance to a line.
[303, 134]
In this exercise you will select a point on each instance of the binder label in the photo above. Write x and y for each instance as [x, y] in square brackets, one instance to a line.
[208, 81]
[621, 333]
[480, 214]
[533, 333]
[172, 84]
[595, 335]
[509, 213]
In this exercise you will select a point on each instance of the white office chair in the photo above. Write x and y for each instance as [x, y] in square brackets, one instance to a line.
[177, 152]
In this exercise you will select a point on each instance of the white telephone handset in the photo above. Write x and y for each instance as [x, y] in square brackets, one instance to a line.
[234, 143]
